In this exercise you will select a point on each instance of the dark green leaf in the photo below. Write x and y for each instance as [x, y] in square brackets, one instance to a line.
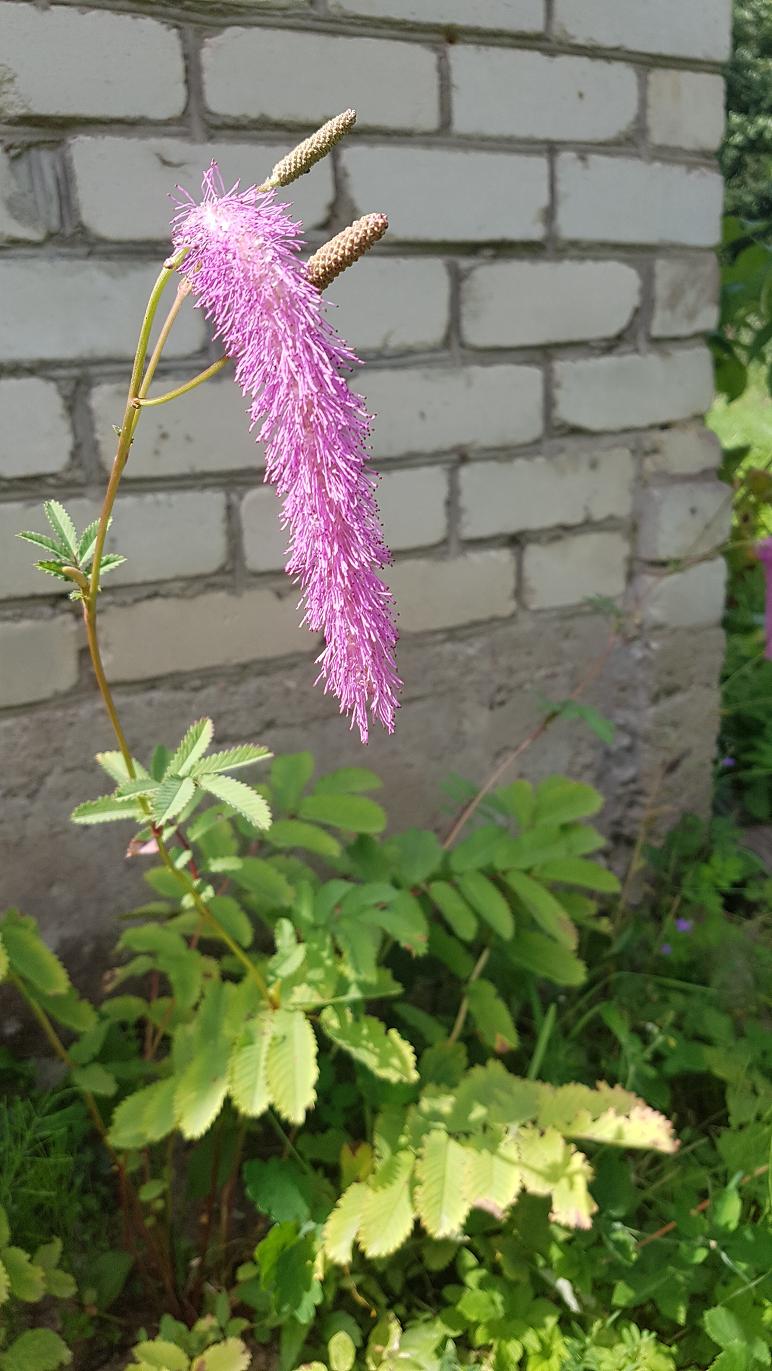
[355, 813]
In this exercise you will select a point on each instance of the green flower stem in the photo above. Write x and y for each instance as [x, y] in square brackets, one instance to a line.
[183, 390]
[463, 1008]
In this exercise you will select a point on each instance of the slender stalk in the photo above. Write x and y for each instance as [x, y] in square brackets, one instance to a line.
[545, 1033]
[182, 390]
[463, 1008]
[183, 291]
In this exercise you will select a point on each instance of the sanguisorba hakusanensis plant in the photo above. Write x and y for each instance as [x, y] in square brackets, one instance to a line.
[251, 957]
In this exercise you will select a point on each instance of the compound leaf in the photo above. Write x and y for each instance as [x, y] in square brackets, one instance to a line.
[192, 747]
[383, 1051]
[243, 798]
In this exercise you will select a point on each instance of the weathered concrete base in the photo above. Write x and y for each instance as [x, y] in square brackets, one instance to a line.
[466, 701]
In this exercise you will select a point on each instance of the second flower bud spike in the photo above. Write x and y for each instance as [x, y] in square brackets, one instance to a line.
[344, 249]
[311, 150]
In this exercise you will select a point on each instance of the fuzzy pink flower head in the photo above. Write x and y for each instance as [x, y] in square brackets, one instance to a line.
[243, 265]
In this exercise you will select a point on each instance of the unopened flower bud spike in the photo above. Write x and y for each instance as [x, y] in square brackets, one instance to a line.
[311, 150]
[344, 249]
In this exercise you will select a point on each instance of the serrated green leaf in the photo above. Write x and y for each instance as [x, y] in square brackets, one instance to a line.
[246, 754]
[192, 747]
[5, 1284]
[171, 797]
[383, 1051]
[551, 1166]
[488, 902]
[69, 1009]
[27, 1281]
[403, 919]
[354, 813]
[59, 1283]
[114, 764]
[559, 800]
[492, 1016]
[477, 850]
[155, 938]
[243, 798]
[451, 952]
[415, 854]
[388, 1215]
[289, 777]
[52, 568]
[441, 1191]
[110, 561]
[577, 871]
[287, 833]
[291, 1066]
[493, 1176]
[5, 962]
[144, 1117]
[106, 810]
[342, 1226]
[454, 909]
[29, 957]
[48, 544]
[544, 957]
[247, 1068]
[167, 1356]
[230, 1355]
[231, 916]
[347, 780]
[39, 1349]
[95, 1079]
[63, 527]
[87, 542]
[543, 907]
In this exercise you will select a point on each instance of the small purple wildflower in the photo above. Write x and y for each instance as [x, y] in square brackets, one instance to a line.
[666, 949]
[764, 554]
[727, 761]
[244, 268]
[684, 925]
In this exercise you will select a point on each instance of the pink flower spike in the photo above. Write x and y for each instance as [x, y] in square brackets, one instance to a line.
[244, 268]
[764, 553]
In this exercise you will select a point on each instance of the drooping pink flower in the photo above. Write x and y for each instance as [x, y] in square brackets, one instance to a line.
[764, 554]
[243, 266]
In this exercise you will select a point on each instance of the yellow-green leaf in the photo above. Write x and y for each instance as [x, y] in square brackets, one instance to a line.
[342, 1226]
[384, 1051]
[388, 1214]
[291, 1066]
[247, 1070]
[441, 1196]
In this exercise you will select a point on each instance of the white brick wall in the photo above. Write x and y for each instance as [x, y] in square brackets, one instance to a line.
[607, 393]
[38, 659]
[123, 184]
[208, 432]
[451, 195]
[505, 93]
[686, 109]
[525, 304]
[546, 172]
[621, 200]
[35, 429]
[574, 487]
[510, 16]
[62, 61]
[435, 409]
[68, 309]
[685, 295]
[443, 593]
[163, 536]
[292, 77]
[574, 568]
[162, 637]
[678, 28]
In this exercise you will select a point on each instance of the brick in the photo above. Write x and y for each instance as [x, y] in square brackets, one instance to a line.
[447, 592]
[694, 598]
[524, 304]
[572, 569]
[390, 305]
[686, 109]
[124, 184]
[506, 16]
[38, 659]
[433, 409]
[206, 430]
[685, 295]
[606, 393]
[160, 637]
[511, 94]
[681, 451]
[300, 78]
[686, 519]
[265, 541]
[162, 536]
[544, 492]
[484, 196]
[620, 200]
[89, 64]
[35, 431]
[688, 28]
[67, 308]
[22, 217]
